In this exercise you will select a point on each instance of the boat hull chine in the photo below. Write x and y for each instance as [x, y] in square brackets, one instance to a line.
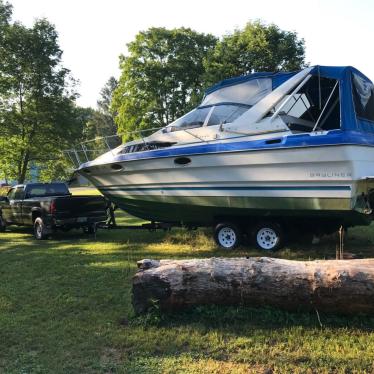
[205, 211]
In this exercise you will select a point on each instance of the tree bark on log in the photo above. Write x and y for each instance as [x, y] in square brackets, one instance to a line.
[337, 286]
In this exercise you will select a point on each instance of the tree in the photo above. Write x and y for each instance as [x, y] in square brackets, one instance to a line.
[161, 77]
[106, 95]
[101, 122]
[5, 14]
[38, 116]
[167, 71]
[258, 47]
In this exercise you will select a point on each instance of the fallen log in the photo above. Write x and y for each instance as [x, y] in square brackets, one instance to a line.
[338, 286]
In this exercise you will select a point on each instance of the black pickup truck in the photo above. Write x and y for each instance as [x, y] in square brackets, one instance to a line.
[49, 207]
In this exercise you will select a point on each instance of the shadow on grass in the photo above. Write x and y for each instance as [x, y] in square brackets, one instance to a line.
[236, 319]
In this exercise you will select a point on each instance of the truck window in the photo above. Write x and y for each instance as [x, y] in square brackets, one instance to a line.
[11, 193]
[19, 193]
[53, 189]
[36, 191]
[57, 189]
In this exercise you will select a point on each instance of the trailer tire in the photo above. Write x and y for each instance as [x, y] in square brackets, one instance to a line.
[40, 229]
[268, 236]
[227, 235]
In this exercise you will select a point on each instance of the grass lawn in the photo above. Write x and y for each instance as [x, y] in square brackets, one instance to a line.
[65, 307]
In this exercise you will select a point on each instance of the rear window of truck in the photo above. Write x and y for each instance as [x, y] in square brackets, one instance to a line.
[58, 189]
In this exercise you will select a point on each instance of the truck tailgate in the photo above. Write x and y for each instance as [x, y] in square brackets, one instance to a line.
[80, 206]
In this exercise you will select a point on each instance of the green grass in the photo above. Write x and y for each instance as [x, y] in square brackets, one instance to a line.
[65, 307]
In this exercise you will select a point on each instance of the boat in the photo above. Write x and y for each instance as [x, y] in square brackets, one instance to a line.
[265, 152]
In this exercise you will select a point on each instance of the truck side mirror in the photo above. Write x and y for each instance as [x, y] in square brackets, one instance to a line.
[4, 198]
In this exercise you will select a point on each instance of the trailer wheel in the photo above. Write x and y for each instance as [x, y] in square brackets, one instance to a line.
[227, 235]
[40, 230]
[268, 236]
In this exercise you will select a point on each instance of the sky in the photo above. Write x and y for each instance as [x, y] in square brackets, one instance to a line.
[93, 33]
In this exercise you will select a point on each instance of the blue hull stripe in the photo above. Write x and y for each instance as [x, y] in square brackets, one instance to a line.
[258, 188]
[235, 146]
[333, 138]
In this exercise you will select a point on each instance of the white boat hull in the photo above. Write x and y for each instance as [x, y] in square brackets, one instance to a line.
[325, 180]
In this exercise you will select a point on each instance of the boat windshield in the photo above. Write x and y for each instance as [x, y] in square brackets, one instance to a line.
[226, 113]
[208, 115]
[191, 120]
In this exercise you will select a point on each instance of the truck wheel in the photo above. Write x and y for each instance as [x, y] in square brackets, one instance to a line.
[268, 236]
[40, 231]
[2, 224]
[227, 235]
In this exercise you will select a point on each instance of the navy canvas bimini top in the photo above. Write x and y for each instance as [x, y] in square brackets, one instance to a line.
[355, 90]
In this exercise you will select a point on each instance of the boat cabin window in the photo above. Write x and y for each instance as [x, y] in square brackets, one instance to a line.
[191, 120]
[316, 106]
[145, 146]
[226, 113]
[363, 96]
[295, 107]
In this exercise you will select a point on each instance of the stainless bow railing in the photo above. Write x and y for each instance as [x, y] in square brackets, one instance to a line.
[88, 150]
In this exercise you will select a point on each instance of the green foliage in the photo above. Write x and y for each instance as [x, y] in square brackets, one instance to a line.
[5, 13]
[258, 47]
[161, 77]
[38, 116]
[4, 190]
[55, 170]
[166, 72]
[106, 95]
[101, 122]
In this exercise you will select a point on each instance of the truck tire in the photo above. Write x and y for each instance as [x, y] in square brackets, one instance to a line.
[2, 224]
[40, 230]
[227, 235]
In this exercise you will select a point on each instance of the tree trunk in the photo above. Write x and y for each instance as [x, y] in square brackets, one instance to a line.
[338, 286]
[23, 167]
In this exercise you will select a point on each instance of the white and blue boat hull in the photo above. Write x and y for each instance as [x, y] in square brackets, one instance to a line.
[300, 181]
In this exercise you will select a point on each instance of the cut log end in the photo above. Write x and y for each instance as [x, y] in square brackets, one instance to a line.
[147, 264]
